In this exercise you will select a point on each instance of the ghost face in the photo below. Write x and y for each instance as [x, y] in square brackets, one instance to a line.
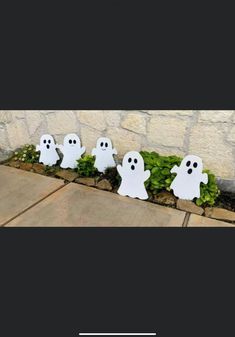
[104, 144]
[191, 166]
[72, 141]
[133, 163]
[47, 142]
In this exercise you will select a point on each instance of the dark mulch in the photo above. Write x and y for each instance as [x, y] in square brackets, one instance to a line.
[226, 200]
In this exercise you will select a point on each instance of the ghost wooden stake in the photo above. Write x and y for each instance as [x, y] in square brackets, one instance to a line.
[186, 184]
[104, 154]
[71, 150]
[47, 148]
[133, 176]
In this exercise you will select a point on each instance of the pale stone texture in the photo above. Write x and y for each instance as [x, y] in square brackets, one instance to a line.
[17, 133]
[167, 131]
[165, 151]
[207, 133]
[89, 137]
[134, 122]
[113, 118]
[61, 122]
[223, 116]
[34, 120]
[170, 112]
[231, 135]
[5, 117]
[18, 114]
[94, 119]
[124, 141]
[3, 138]
[169, 151]
[207, 141]
[202, 221]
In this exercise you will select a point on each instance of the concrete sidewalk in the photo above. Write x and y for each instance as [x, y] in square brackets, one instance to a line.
[32, 200]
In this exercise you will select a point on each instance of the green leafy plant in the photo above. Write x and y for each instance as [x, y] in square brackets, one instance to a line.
[86, 167]
[160, 167]
[209, 192]
[27, 154]
[161, 177]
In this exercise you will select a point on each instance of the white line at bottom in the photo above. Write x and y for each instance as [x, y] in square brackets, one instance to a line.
[117, 334]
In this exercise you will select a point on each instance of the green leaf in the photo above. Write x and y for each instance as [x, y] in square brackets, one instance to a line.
[161, 177]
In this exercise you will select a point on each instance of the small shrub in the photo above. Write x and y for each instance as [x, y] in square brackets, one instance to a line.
[27, 154]
[161, 177]
[160, 167]
[210, 192]
[86, 167]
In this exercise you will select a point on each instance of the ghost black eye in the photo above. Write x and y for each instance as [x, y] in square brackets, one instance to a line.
[129, 160]
[49, 141]
[70, 141]
[101, 144]
[106, 144]
[188, 163]
[135, 161]
[195, 165]
[74, 141]
[44, 141]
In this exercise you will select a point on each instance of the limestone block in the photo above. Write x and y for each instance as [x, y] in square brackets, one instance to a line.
[3, 139]
[231, 135]
[34, 120]
[207, 141]
[134, 122]
[61, 122]
[113, 117]
[174, 113]
[17, 114]
[167, 131]
[5, 116]
[215, 116]
[17, 133]
[89, 137]
[93, 118]
[124, 140]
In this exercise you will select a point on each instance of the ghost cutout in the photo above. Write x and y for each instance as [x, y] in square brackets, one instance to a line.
[47, 147]
[133, 176]
[186, 184]
[71, 150]
[104, 154]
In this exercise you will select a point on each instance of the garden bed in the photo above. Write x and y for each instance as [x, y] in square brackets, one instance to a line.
[223, 207]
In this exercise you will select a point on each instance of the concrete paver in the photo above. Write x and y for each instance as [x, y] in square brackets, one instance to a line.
[78, 205]
[28, 199]
[20, 189]
[201, 221]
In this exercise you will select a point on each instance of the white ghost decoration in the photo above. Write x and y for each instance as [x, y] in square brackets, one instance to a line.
[104, 154]
[47, 147]
[71, 150]
[133, 176]
[186, 184]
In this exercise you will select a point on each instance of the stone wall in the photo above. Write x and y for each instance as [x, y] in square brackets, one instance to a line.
[209, 134]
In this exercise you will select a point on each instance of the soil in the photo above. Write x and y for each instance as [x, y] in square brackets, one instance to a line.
[226, 200]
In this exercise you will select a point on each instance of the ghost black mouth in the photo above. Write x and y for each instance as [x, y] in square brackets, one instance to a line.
[190, 171]
[132, 167]
[48, 146]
